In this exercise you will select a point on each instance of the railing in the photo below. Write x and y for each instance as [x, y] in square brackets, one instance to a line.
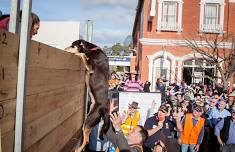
[211, 28]
[166, 26]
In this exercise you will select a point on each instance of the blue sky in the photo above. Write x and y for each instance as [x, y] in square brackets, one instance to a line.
[113, 19]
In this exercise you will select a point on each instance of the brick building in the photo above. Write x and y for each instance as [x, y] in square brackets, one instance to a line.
[161, 28]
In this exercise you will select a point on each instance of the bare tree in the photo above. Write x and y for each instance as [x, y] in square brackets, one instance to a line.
[216, 50]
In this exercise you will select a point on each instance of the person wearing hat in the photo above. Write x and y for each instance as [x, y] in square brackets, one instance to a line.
[231, 99]
[130, 118]
[133, 84]
[192, 130]
[225, 133]
[161, 127]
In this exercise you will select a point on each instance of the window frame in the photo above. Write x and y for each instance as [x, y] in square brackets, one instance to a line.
[178, 16]
[219, 25]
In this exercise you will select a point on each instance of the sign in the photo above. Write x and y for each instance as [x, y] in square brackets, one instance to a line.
[149, 103]
[197, 77]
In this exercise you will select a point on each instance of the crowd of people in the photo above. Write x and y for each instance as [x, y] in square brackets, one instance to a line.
[191, 118]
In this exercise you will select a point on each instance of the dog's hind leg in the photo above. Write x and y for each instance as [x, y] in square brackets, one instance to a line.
[87, 79]
[86, 134]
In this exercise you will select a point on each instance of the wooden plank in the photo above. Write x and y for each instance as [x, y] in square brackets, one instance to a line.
[9, 46]
[8, 142]
[35, 130]
[45, 56]
[57, 137]
[7, 114]
[73, 142]
[8, 81]
[69, 130]
[7, 124]
[42, 79]
[40, 104]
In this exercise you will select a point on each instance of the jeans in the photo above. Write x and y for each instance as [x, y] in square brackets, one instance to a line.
[185, 147]
[228, 148]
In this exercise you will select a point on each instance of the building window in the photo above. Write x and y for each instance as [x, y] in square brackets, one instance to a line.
[169, 15]
[212, 16]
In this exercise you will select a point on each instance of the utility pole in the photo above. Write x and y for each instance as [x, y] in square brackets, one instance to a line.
[88, 30]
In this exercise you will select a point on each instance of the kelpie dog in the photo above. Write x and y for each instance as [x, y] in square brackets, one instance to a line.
[96, 63]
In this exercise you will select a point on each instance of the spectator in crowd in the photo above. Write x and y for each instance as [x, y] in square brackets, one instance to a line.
[212, 105]
[159, 147]
[147, 86]
[217, 113]
[161, 127]
[127, 76]
[193, 130]
[130, 118]
[225, 132]
[113, 82]
[95, 143]
[183, 86]
[214, 116]
[35, 23]
[209, 93]
[231, 99]
[133, 84]
[179, 97]
[187, 104]
[160, 86]
[134, 140]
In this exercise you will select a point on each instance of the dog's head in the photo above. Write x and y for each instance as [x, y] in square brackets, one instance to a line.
[82, 46]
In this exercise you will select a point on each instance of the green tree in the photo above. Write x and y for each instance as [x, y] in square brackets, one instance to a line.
[119, 49]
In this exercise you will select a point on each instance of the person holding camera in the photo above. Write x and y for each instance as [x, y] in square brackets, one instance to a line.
[162, 128]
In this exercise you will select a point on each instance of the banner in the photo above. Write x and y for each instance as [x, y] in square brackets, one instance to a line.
[149, 103]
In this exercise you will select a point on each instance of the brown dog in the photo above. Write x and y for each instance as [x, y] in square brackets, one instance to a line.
[96, 63]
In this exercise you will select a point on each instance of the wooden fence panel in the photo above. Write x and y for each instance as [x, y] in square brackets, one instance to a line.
[54, 105]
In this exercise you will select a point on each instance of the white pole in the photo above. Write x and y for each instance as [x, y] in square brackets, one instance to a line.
[22, 70]
[14, 16]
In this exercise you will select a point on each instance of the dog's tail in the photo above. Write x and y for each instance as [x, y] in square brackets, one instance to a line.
[105, 115]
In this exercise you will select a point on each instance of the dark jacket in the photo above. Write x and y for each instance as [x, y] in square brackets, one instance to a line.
[224, 133]
[166, 134]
